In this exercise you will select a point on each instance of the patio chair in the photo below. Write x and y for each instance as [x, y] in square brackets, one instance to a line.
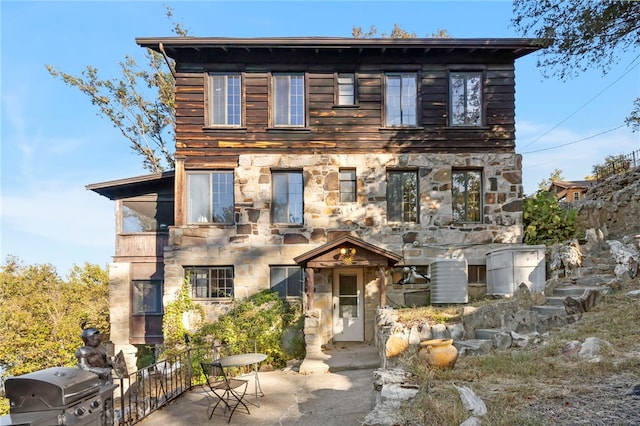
[222, 389]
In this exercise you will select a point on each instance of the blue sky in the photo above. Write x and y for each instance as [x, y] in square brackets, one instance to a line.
[53, 143]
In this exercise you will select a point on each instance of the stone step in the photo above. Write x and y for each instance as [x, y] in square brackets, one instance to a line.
[548, 310]
[473, 346]
[487, 333]
[570, 290]
[555, 300]
[596, 280]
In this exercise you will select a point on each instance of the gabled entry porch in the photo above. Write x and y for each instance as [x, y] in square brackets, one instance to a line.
[345, 284]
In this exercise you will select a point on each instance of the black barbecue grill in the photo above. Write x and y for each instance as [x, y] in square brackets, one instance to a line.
[58, 396]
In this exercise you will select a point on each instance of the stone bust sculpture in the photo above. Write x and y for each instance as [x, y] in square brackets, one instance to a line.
[93, 355]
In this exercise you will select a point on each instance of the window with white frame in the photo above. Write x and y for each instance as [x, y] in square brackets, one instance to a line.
[401, 96]
[286, 281]
[146, 297]
[402, 196]
[210, 282]
[576, 196]
[210, 197]
[225, 99]
[288, 100]
[287, 197]
[465, 91]
[466, 192]
[347, 185]
[346, 89]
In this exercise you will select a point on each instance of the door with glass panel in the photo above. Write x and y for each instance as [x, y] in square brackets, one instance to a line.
[348, 305]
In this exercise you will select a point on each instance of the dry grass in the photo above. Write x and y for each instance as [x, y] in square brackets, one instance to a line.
[514, 384]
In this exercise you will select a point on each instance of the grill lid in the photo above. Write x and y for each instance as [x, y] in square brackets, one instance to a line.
[52, 388]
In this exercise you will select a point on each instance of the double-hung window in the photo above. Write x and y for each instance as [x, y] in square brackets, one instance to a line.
[465, 91]
[225, 100]
[210, 197]
[286, 281]
[287, 199]
[401, 99]
[466, 191]
[346, 95]
[347, 185]
[402, 196]
[211, 282]
[288, 100]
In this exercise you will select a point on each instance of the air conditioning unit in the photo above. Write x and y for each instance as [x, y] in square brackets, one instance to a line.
[449, 281]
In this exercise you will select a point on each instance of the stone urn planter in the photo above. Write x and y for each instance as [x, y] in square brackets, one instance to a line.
[438, 353]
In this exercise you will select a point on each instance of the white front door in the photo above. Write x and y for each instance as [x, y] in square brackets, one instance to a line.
[348, 305]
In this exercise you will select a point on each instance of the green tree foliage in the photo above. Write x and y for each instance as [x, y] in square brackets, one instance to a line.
[546, 221]
[396, 32]
[140, 103]
[581, 35]
[555, 176]
[42, 316]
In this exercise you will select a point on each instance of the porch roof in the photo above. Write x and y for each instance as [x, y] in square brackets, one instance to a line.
[326, 255]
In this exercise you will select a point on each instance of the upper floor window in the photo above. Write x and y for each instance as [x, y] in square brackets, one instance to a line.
[346, 89]
[287, 190]
[287, 281]
[225, 100]
[402, 196]
[466, 98]
[576, 196]
[146, 214]
[147, 297]
[214, 282]
[347, 185]
[467, 195]
[210, 197]
[401, 99]
[288, 100]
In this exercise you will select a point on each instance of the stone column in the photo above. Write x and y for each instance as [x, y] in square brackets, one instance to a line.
[382, 282]
[310, 288]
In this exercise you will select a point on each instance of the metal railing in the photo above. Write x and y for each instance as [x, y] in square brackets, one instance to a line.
[618, 165]
[148, 389]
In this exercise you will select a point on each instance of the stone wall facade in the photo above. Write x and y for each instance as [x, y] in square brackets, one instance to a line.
[253, 244]
[613, 206]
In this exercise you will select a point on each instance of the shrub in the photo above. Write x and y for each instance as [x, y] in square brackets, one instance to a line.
[546, 221]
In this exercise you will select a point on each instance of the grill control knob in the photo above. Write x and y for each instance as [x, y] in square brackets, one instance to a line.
[95, 404]
[79, 411]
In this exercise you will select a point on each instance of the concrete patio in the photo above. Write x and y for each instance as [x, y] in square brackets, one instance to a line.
[344, 395]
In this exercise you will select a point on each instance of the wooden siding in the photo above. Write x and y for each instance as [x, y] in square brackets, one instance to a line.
[355, 129]
[140, 246]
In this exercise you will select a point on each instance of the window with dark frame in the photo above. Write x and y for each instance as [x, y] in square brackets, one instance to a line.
[146, 297]
[401, 97]
[225, 100]
[287, 281]
[465, 98]
[402, 196]
[477, 274]
[288, 100]
[211, 282]
[210, 197]
[466, 192]
[347, 185]
[146, 214]
[287, 197]
[346, 89]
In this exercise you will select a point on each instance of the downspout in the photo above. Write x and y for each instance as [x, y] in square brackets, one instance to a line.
[166, 59]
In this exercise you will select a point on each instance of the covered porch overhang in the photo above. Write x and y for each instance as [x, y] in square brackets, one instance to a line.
[346, 251]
